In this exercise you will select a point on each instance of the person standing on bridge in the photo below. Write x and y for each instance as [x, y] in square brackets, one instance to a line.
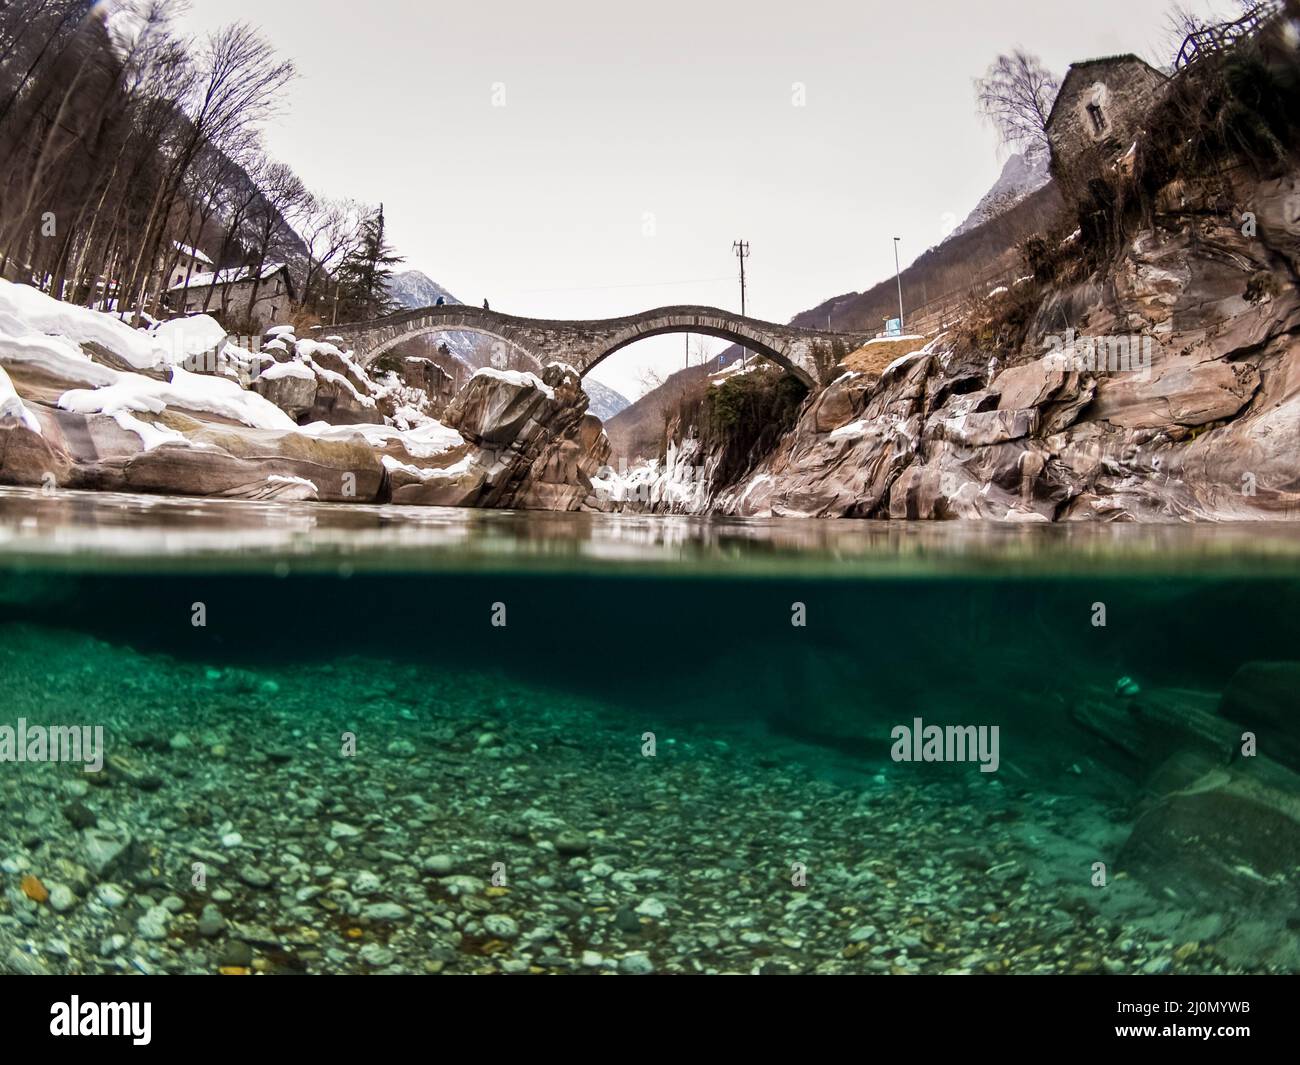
[485, 305]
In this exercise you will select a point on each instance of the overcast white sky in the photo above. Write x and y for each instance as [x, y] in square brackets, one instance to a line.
[636, 142]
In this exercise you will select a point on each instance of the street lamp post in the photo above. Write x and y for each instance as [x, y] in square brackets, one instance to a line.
[898, 273]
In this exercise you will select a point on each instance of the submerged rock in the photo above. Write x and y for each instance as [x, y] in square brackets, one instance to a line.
[1228, 835]
[1265, 698]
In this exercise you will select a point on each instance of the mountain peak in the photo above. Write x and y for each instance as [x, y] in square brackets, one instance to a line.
[1021, 175]
[412, 289]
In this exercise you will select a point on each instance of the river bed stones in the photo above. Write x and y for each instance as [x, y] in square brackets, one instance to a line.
[731, 851]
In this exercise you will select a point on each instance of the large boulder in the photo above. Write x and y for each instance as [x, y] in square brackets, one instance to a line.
[1229, 837]
[530, 445]
[1264, 697]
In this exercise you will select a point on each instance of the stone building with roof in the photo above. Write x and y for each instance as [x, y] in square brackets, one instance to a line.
[1099, 110]
[237, 296]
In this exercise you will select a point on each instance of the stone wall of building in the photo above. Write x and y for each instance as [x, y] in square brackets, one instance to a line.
[271, 308]
[1122, 91]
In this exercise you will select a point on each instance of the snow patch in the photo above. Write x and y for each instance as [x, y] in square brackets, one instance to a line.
[132, 393]
[518, 378]
[12, 406]
[38, 313]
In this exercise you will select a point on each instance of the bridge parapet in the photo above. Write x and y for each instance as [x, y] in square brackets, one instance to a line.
[806, 353]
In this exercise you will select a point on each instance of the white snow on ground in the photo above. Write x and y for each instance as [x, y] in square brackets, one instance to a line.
[134, 393]
[301, 482]
[55, 356]
[277, 370]
[305, 350]
[31, 325]
[343, 382]
[425, 442]
[449, 474]
[434, 437]
[737, 368]
[12, 406]
[607, 484]
[519, 378]
[151, 434]
[853, 429]
[40, 313]
[893, 339]
[187, 337]
[902, 360]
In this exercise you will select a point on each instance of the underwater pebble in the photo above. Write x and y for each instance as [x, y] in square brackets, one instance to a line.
[20, 963]
[376, 955]
[58, 948]
[236, 955]
[572, 843]
[62, 898]
[110, 895]
[110, 945]
[152, 924]
[500, 926]
[253, 876]
[367, 883]
[385, 911]
[211, 923]
[439, 864]
[652, 907]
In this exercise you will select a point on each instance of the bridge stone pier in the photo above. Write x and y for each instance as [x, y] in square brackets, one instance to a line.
[809, 354]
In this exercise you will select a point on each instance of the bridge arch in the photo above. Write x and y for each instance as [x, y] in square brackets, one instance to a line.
[737, 331]
[805, 353]
[373, 354]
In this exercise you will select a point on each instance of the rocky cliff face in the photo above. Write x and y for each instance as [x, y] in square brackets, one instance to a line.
[1163, 386]
[529, 444]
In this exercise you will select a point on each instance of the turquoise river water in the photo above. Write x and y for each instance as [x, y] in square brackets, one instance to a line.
[372, 739]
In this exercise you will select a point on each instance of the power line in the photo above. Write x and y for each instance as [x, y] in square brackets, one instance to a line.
[741, 248]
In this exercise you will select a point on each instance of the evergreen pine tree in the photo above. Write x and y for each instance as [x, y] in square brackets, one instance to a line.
[365, 274]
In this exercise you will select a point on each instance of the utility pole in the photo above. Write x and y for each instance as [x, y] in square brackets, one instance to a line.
[741, 248]
[898, 273]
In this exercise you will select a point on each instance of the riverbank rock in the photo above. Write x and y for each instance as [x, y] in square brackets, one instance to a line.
[531, 445]
[1188, 408]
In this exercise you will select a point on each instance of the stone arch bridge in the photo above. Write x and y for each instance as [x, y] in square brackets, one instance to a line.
[809, 354]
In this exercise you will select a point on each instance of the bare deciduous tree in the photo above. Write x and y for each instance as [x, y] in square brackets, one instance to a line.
[1016, 95]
